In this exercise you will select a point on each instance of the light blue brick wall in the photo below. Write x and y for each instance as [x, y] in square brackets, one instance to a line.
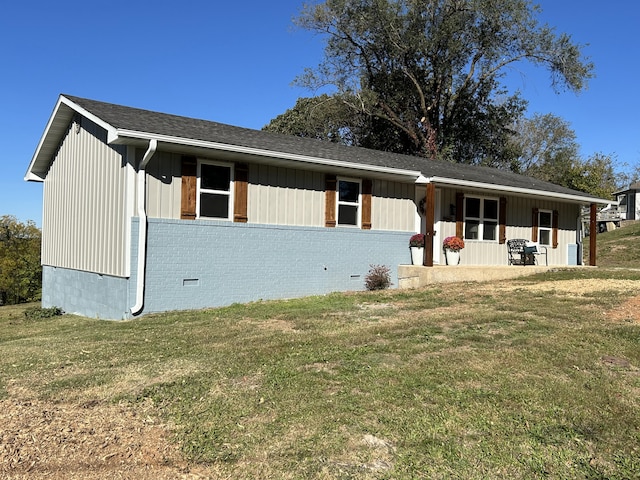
[85, 293]
[198, 264]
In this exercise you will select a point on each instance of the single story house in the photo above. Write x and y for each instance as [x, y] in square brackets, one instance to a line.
[628, 204]
[148, 212]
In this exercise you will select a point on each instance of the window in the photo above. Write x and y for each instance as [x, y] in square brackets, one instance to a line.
[480, 218]
[545, 226]
[349, 202]
[215, 190]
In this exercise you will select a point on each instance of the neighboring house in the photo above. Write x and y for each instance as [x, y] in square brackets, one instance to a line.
[629, 206]
[146, 212]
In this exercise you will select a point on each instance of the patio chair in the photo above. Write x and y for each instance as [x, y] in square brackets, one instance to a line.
[524, 252]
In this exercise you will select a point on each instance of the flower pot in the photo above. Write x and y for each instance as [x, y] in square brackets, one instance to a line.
[453, 257]
[417, 255]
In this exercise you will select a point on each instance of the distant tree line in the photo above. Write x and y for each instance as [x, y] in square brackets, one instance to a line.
[20, 269]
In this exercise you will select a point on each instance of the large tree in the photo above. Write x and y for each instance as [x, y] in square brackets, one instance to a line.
[595, 175]
[428, 73]
[323, 117]
[547, 149]
[546, 145]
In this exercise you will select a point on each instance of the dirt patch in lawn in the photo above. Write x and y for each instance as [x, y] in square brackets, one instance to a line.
[628, 311]
[88, 441]
[579, 287]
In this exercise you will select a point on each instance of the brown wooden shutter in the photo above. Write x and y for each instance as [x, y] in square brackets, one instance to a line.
[367, 190]
[502, 220]
[189, 188]
[534, 225]
[459, 214]
[241, 177]
[330, 201]
[554, 226]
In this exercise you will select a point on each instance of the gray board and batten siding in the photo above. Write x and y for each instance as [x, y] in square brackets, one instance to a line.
[88, 203]
[280, 195]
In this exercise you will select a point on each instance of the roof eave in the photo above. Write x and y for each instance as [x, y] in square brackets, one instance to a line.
[65, 110]
[574, 198]
[58, 123]
[128, 136]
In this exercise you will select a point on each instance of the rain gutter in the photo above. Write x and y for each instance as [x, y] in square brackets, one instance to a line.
[142, 226]
[585, 199]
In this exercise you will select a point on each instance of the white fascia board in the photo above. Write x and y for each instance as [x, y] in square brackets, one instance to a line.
[111, 131]
[517, 190]
[30, 176]
[122, 134]
[60, 118]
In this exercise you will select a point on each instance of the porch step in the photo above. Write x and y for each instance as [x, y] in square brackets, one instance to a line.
[411, 276]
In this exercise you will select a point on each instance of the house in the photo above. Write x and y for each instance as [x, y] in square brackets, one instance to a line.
[629, 207]
[147, 212]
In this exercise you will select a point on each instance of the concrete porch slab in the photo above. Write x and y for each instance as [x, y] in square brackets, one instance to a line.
[412, 276]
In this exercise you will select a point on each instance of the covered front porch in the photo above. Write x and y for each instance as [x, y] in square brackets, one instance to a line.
[513, 217]
[416, 276]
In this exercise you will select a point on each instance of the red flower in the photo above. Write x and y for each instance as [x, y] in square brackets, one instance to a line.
[417, 240]
[453, 243]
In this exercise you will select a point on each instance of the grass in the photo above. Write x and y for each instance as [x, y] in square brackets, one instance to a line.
[620, 247]
[513, 380]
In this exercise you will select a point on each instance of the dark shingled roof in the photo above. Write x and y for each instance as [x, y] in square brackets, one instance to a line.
[145, 121]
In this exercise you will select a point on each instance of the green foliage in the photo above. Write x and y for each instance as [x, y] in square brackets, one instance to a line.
[38, 313]
[424, 77]
[546, 145]
[324, 118]
[20, 270]
[619, 247]
[378, 278]
[594, 175]
[547, 149]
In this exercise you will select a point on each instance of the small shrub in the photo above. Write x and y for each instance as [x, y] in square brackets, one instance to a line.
[378, 278]
[38, 313]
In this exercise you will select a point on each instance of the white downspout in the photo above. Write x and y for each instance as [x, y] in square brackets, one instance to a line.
[142, 225]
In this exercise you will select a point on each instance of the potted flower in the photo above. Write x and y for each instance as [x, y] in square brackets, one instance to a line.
[416, 245]
[452, 246]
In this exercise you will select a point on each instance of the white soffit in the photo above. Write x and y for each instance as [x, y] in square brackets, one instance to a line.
[55, 130]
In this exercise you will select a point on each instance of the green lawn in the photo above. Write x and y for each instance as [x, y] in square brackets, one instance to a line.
[535, 378]
[619, 248]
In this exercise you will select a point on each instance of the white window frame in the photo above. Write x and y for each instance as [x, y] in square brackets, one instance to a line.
[357, 204]
[201, 190]
[545, 229]
[482, 219]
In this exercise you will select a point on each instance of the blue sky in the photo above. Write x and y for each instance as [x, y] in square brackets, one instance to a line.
[233, 62]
